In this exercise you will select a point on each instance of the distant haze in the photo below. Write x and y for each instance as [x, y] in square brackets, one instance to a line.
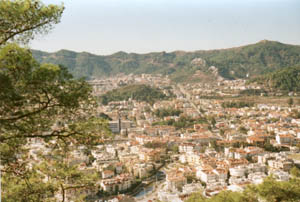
[141, 26]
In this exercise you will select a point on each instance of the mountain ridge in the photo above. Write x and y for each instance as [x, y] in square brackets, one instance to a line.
[231, 63]
[175, 51]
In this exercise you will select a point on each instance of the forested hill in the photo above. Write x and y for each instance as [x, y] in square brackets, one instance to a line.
[252, 60]
[287, 79]
[137, 92]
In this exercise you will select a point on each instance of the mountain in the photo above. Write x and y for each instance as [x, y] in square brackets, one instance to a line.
[250, 60]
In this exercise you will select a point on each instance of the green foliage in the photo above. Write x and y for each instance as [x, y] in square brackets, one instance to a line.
[155, 145]
[21, 20]
[295, 171]
[243, 130]
[40, 103]
[253, 92]
[18, 190]
[269, 147]
[255, 59]
[217, 147]
[137, 92]
[270, 190]
[174, 148]
[240, 104]
[167, 112]
[212, 120]
[183, 122]
[34, 98]
[230, 196]
[295, 114]
[105, 116]
[286, 79]
[196, 197]
[291, 101]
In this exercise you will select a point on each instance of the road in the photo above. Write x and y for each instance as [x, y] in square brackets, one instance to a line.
[188, 96]
[157, 185]
[153, 194]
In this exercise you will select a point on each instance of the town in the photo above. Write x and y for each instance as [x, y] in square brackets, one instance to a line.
[149, 101]
[196, 141]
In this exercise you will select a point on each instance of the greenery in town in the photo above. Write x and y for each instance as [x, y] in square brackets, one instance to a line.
[196, 196]
[41, 104]
[270, 190]
[105, 116]
[270, 148]
[290, 101]
[243, 130]
[295, 172]
[252, 92]
[295, 114]
[164, 112]
[286, 79]
[155, 145]
[217, 147]
[237, 104]
[250, 60]
[139, 92]
[183, 122]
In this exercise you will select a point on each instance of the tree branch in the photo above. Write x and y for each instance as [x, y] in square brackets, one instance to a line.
[22, 31]
[55, 133]
[63, 192]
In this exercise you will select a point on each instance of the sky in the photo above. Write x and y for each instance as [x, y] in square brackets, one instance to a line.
[107, 26]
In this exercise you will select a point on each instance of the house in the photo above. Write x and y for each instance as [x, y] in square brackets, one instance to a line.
[281, 164]
[256, 167]
[119, 168]
[257, 177]
[222, 174]
[188, 148]
[142, 170]
[236, 162]
[107, 174]
[240, 154]
[280, 175]
[254, 139]
[285, 139]
[175, 180]
[239, 171]
[118, 183]
[207, 176]
[115, 126]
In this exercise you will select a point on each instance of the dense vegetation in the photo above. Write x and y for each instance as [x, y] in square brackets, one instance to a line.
[136, 92]
[183, 122]
[44, 104]
[240, 104]
[287, 79]
[270, 190]
[252, 92]
[155, 145]
[167, 112]
[105, 116]
[251, 60]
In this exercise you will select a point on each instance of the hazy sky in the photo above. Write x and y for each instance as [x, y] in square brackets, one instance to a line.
[141, 26]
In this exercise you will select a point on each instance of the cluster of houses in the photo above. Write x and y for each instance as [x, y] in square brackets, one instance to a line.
[236, 149]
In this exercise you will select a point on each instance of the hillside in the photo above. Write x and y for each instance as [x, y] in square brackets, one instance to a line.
[137, 92]
[287, 79]
[252, 60]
